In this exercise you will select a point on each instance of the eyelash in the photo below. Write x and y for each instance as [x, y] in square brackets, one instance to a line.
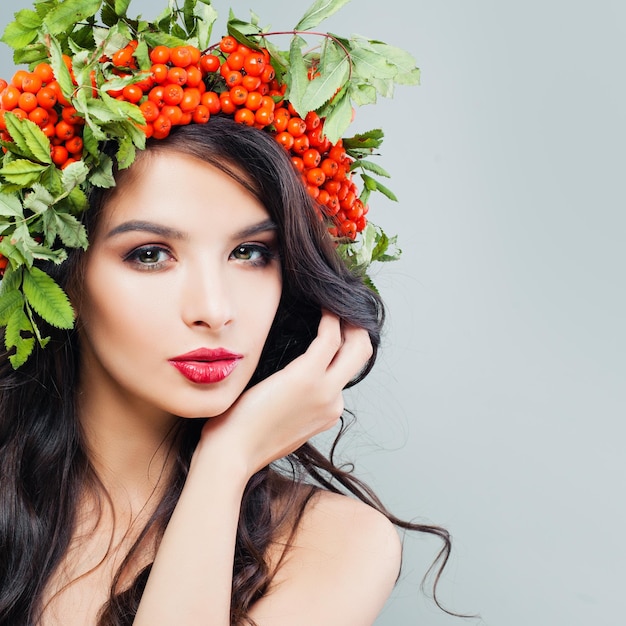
[133, 257]
[265, 256]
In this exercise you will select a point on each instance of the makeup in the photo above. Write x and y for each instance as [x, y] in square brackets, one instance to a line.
[206, 366]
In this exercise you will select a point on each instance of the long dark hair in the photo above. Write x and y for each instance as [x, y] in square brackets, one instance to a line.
[44, 465]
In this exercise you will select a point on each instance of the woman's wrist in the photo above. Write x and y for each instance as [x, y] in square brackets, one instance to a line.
[218, 461]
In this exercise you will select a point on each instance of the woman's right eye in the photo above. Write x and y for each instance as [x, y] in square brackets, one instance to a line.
[148, 257]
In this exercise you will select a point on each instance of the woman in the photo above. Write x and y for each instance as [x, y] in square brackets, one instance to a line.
[155, 464]
[207, 246]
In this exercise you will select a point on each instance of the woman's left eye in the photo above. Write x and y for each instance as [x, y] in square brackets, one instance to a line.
[253, 253]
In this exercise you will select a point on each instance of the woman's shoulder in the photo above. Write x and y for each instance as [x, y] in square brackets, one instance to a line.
[344, 524]
[345, 555]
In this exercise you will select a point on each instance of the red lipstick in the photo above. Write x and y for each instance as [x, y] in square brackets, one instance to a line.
[205, 366]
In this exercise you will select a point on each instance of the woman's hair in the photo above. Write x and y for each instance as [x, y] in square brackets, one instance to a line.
[44, 465]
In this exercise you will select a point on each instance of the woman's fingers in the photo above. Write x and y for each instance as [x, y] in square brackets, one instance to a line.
[340, 351]
[355, 351]
[327, 343]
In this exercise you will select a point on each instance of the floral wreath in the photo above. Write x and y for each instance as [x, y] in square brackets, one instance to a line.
[95, 75]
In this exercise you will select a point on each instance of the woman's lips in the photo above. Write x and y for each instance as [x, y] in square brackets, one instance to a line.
[205, 365]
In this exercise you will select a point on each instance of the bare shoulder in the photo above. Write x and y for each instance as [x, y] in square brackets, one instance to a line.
[340, 568]
[347, 525]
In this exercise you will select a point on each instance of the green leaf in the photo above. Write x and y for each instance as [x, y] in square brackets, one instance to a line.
[207, 16]
[365, 196]
[163, 39]
[71, 232]
[129, 131]
[112, 39]
[406, 71]
[125, 153]
[371, 167]
[10, 300]
[29, 137]
[188, 17]
[46, 254]
[22, 246]
[28, 19]
[385, 191]
[80, 67]
[82, 38]
[369, 182]
[17, 324]
[108, 15]
[362, 255]
[11, 281]
[8, 249]
[61, 73]
[43, 7]
[123, 110]
[319, 11]
[114, 84]
[243, 32]
[13, 149]
[14, 128]
[297, 79]
[47, 298]
[373, 245]
[22, 172]
[68, 13]
[334, 72]
[39, 199]
[339, 117]
[17, 36]
[51, 180]
[386, 248]
[179, 32]
[142, 54]
[74, 174]
[374, 185]
[90, 142]
[384, 86]
[362, 94]
[121, 6]
[102, 175]
[10, 205]
[370, 139]
[368, 64]
[30, 54]
[77, 200]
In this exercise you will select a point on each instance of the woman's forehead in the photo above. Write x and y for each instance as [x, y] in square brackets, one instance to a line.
[181, 192]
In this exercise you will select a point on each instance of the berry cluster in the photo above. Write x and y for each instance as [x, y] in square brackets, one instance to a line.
[38, 97]
[325, 169]
[184, 85]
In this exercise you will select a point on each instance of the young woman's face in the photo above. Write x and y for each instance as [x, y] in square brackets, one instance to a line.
[182, 282]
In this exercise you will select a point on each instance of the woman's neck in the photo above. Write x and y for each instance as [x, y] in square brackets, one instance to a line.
[131, 448]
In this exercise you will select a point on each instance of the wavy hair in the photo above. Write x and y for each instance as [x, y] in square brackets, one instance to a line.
[44, 464]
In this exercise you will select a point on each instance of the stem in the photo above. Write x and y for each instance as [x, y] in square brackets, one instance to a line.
[317, 34]
[294, 33]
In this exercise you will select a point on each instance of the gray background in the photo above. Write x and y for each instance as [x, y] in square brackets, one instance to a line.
[497, 406]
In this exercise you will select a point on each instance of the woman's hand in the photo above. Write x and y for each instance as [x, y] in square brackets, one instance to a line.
[267, 422]
[281, 413]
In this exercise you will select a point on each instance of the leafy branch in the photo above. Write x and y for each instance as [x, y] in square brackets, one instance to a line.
[41, 205]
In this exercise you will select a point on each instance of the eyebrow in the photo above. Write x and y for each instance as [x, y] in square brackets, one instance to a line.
[146, 227]
[255, 229]
[166, 231]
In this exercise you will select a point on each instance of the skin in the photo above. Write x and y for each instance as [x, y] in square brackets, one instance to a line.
[211, 278]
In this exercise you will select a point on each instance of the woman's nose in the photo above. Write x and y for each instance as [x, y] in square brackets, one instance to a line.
[208, 299]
